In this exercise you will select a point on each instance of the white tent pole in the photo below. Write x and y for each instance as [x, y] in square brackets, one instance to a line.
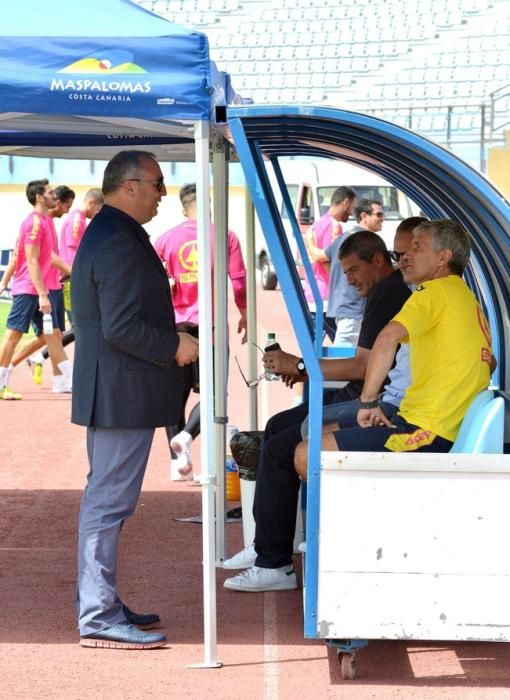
[251, 307]
[220, 199]
[208, 468]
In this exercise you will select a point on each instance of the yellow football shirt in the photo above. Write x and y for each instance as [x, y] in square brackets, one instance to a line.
[450, 353]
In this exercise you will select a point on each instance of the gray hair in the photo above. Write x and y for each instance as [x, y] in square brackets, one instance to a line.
[449, 235]
[94, 194]
[122, 166]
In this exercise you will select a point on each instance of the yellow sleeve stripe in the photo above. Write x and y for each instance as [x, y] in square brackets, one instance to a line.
[36, 223]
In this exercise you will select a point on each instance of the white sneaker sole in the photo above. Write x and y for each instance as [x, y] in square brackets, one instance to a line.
[289, 585]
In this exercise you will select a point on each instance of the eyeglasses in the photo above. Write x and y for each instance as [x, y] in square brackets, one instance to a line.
[158, 184]
[396, 255]
[252, 383]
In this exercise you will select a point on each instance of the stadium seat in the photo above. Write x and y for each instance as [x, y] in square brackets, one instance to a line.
[482, 430]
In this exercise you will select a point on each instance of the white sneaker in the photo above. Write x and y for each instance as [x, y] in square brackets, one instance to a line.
[242, 560]
[61, 384]
[181, 444]
[259, 579]
[175, 474]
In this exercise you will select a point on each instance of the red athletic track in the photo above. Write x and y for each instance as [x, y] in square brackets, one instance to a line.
[43, 472]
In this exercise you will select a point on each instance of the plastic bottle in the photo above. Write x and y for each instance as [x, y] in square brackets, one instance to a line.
[232, 481]
[271, 344]
[47, 324]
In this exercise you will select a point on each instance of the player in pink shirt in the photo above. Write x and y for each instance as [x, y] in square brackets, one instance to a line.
[62, 366]
[318, 237]
[29, 287]
[177, 248]
[75, 223]
[35, 289]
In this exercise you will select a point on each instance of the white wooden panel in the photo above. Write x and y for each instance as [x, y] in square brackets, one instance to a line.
[414, 553]
[414, 606]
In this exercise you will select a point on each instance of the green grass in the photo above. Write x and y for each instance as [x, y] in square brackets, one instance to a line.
[5, 307]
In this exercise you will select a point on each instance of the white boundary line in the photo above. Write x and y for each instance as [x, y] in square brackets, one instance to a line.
[270, 647]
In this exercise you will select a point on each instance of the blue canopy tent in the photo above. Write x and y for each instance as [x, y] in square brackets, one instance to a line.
[88, 80]
[439, 182]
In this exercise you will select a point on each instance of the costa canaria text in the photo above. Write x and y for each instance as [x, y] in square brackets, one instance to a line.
[101, 86]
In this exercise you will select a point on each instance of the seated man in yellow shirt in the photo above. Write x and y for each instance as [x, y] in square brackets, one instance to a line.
[450, 352]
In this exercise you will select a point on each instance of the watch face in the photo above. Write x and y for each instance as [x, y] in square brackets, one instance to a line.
[301, 366]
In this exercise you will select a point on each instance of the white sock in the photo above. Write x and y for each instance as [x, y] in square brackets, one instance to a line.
[66, 367]
[181, 444]
[61, 384]
[4, 373]
[37, 358]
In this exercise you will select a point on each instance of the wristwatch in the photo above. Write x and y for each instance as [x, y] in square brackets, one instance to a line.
[368, 404]
[300, 366]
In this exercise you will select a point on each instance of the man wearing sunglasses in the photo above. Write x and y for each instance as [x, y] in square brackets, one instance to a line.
[368, 267]
[127, 381]
[369, 216]
[345, 414]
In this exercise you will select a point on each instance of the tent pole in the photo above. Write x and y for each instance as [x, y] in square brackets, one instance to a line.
[208, 467]
[220, 199]
[251, 306]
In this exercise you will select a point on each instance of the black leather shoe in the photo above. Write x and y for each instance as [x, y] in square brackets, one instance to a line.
[123, 635]
[144, 622]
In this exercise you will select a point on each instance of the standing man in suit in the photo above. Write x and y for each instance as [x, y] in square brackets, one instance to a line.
[127, 381]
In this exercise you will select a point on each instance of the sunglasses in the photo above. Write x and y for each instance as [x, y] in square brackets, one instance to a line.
[251, 383]
[379, 214]
[396, 255]
[158, 184]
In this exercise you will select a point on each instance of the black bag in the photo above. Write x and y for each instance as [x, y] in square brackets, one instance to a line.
[245, 447]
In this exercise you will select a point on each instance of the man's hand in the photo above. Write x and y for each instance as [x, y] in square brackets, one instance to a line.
[44, 304]
[241, 328]
[187, 352]
[290, 380]
[373, 417]
[280, 362]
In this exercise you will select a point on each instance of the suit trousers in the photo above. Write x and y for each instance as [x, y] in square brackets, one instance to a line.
[117, 458]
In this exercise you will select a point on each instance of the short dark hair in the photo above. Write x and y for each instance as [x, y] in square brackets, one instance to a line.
[122, 166]
[365, 245]
[63, 193]
[34, 188]
[449, 235]
[188, 194]
[365, 207]
[409, 224]
[341, 193]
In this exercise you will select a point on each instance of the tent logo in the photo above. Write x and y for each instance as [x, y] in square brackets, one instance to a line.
[99, 77]
[105, 63]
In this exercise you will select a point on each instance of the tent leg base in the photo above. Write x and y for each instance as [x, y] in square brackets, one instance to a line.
[205, 664]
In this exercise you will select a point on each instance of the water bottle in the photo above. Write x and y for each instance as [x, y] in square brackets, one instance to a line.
[271, 344]
[47, 324]
[232, 481]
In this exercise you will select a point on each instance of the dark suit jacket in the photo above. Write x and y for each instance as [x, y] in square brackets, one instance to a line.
[124, 374]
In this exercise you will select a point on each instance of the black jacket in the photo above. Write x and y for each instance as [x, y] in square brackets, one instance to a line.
[124, 374]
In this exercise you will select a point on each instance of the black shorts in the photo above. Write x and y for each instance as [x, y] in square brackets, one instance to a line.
[405, 437]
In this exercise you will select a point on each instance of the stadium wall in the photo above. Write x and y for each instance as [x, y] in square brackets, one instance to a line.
[498, 166]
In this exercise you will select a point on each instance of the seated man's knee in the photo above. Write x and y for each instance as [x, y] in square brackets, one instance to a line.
[301, 459]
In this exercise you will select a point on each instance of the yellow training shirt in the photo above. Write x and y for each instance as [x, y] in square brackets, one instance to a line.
[450, 353]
